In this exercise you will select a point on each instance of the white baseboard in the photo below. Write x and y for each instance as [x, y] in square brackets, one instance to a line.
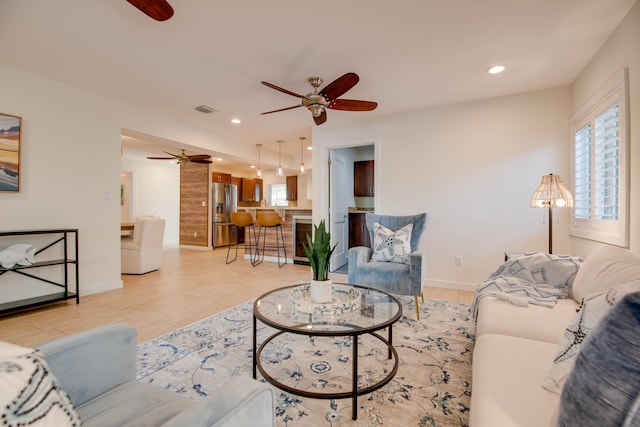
[96, 288]
[460, 286]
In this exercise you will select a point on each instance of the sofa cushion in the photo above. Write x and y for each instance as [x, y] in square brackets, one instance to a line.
[29, 392]
[135, 403]
[604, 386]
[391, 246]
[533, 321]
[592, 310]
[507, 372]
[607, 267]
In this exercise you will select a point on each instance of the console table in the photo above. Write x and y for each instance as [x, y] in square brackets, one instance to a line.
[53, 277]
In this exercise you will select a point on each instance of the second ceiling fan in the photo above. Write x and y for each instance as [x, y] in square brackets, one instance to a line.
[318, 101]
[184, 158]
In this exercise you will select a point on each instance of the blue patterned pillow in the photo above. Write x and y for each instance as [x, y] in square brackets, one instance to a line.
[604, 385]
[391, 246]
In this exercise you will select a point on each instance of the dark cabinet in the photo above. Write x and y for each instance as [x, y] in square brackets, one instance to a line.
[251, 190]
[358, 233]
[292, 187]
[221, 177]
[363, 178]
[248, 190]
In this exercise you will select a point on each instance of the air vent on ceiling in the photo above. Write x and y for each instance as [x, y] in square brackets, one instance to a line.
[205, 109]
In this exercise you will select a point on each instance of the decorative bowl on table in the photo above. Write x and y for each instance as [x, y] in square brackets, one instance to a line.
[343, 299]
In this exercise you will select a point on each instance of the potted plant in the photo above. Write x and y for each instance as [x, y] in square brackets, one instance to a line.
[319, 252]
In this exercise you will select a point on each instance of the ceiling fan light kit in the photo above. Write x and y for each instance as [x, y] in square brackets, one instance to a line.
[317, 102]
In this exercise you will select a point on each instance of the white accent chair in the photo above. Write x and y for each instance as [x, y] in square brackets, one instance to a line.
[142, 252]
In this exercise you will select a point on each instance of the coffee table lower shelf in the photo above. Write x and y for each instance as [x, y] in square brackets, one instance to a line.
[355, 391]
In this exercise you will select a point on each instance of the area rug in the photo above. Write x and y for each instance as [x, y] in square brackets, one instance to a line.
[431, 388]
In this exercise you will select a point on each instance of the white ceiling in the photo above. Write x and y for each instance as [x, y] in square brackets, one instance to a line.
[409, 54]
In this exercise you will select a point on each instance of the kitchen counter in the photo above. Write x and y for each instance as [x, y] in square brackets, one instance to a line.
[286, 214]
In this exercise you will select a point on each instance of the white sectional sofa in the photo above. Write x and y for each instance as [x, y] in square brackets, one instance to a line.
[516, 345]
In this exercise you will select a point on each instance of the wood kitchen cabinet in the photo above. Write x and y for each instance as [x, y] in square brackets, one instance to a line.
[252, 189]
[248, 190]
[363, 178]
[221, 177]
[292, 187]
[358, 233]
[238, 183]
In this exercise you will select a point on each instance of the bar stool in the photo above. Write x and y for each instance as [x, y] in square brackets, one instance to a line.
[266, 220]
[242, 220]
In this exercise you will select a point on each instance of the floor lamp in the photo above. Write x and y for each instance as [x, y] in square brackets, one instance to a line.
[551, 193]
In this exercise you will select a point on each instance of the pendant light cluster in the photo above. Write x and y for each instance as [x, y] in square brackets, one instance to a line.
[302, 138]
[259, 171]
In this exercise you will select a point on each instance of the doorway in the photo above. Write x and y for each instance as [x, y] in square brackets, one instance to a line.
[342, 199]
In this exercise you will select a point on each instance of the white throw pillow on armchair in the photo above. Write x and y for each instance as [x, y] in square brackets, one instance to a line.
[391, 246]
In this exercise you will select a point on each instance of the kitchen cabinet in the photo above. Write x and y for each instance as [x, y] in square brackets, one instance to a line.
[358, 233]
[221, 177]
[238, 183]
[252, 189]
[363, 178]
[259, 190]
[292, 187]
[248, 190]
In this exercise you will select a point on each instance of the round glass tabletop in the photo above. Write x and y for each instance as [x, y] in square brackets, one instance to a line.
[353, 310]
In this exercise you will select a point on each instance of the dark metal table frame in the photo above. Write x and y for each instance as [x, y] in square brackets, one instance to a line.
[354, 333]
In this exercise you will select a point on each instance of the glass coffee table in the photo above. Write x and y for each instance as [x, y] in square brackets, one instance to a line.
[354, 311]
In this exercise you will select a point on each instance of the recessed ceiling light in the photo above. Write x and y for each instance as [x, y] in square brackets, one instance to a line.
[253, 166]
[310, 148]
[236, 121]
[496, 69]
[219, 159]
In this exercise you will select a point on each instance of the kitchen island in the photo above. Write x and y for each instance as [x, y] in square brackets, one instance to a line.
[286, 216]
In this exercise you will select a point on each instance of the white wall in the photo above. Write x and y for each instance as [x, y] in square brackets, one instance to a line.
[156, 191]
[621, 49]
[70, 154]
[473, 167]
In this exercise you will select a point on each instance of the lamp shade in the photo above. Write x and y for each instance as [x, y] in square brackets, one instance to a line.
[551, 193]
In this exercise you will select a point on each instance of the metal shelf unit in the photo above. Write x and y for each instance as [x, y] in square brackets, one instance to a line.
[65, 241]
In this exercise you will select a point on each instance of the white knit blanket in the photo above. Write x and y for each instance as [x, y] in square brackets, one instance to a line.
[532, 278]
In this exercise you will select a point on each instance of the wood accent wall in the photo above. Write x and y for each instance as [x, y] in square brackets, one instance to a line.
[194, 217]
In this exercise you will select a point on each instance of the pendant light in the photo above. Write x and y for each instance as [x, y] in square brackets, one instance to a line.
[279, 172]
[302, 138]
[259, 172]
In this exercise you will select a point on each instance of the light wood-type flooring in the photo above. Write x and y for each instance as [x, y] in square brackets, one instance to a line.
[190, 285]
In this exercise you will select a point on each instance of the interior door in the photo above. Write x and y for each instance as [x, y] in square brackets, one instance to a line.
[338, 210]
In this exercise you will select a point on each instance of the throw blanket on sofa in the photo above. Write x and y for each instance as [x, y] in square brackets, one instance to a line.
[531, 278]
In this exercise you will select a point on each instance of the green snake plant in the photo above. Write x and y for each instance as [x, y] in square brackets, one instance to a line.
[319, 251]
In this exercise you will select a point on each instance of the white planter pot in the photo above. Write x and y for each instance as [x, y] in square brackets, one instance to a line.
[321, 291]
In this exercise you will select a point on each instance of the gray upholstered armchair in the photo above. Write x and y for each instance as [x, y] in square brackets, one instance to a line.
[392, 277]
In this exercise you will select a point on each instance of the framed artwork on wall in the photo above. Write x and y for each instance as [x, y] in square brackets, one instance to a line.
[10, 152]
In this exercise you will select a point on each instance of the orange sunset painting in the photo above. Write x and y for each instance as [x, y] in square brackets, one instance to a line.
[9, 152]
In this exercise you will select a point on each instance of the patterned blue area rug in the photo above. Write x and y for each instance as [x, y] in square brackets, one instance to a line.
[431, 388]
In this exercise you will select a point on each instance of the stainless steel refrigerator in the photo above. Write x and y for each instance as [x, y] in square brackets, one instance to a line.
[224, 201]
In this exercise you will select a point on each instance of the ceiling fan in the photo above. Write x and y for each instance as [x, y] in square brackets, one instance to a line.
[184, 158]
[318, 102]
[160, 10]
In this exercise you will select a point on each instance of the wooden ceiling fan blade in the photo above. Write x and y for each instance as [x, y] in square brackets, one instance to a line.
[160, 158]
[160, 10]
[340, 86]
[200, 161]
[321, 118]
[288, 92]
[282, 109]
[352, 105]
[200, 157]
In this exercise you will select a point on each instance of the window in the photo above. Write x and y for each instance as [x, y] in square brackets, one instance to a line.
[599, 166]
[279, 195]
